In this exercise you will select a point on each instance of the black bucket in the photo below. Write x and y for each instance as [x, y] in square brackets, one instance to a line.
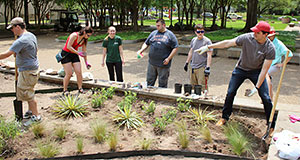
[197, 89]
[178, 87]
[188, 88]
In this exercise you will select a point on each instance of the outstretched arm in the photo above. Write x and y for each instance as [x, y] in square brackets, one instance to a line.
[6, 54]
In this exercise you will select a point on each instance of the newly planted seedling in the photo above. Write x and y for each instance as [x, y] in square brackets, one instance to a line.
[70, 106]
[130, 98]
[206, 134]
[127, 118]
[149, 108]
[161, 124]
[99, 131]
[183, 135]
[79, 144]
[109, 92]
[38, 129]
[98, 100]
[146, 144]
[183, 105]
[47, 148]
[201, 116]
[112, 141]
[60, 132]
[9, 129]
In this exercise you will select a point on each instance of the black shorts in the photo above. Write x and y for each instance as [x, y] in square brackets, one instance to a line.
[71, 57]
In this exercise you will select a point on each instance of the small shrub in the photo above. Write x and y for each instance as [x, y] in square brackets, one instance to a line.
[9, 129]
[98, 100]
[237, 139]
[79, 144]
[146, 144]
[70, 106]
[127, 118]
[183, 135]
[130, 98]
[170, 115]
[149, 108]
[60, 132]
[160, 123]
[206, 134]
[109, 92]
[99, 131]
[38, 129]
[183, 105]
[201, 117]
[112, 141]
[48, 148]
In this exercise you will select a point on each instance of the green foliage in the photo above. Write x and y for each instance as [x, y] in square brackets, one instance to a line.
[127, 118]
[183, 135]
[237, 139]
[109, 92]
[201, 116]
[112, 141]
[160, 123]
[9, 129]
[183, 105]
[99, 131]
[149, 108]
[146, 144]
[60, 132]
[70, 106]
[48, 148]
[79, 144]
[168, 117]
[38, 129]
[206, 134]
[98, 99]
[130, 98]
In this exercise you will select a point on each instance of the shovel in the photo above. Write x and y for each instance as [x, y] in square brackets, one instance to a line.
[17, 104]
[205, 90]
[275, 103]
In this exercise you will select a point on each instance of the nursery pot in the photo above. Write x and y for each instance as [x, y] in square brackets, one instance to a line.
[188, 88]
[178, 87]
[197, 89]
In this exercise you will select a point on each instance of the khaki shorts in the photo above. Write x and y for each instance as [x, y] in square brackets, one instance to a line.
[198, 77]
[26, 82]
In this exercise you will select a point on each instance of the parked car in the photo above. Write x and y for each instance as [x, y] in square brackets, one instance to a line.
[207, 15]
[234, 16]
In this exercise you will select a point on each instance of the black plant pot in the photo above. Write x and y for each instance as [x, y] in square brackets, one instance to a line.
[188, 88]
[197, 89]
[178, 87]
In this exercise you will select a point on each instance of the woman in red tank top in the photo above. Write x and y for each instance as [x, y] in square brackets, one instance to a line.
[71, 60]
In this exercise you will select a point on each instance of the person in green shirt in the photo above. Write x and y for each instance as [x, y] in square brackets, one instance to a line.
[113, 52]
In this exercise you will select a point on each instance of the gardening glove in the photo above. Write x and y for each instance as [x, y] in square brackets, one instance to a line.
[207, 71]
[186, 66]
[88, 66]
[82, 54]
[253, 91]
[202, 50]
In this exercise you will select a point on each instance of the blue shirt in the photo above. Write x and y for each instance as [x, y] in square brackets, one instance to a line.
[25, 48]
[161, 46]
[280, 50]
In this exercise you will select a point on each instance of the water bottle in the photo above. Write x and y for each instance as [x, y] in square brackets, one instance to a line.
[140, 55]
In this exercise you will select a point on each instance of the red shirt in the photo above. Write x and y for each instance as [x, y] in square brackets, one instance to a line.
[74, 45]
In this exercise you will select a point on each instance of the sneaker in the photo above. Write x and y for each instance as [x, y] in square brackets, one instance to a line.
[33, 119]
[65, 93]
[28, 114]
[221, 122]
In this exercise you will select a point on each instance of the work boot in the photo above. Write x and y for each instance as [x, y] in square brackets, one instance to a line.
[221, 122]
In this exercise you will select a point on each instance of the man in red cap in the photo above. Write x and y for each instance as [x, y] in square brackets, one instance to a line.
[254, 62]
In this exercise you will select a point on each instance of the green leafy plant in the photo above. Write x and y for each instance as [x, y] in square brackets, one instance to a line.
[109, 92]
[99, 131]
[70, 106]
[168, 117]
[112, 141]
[38, 129]
[60, 132]
[149, 108]
[146, 144]
[201, 116]
[237, 139]
[98, 99]
[206, 134]
[183, 105]
[127, 118]
[130, 98]
[183, 135]
[160, 123]
[9, 129]
[79, 144]
[47, 148]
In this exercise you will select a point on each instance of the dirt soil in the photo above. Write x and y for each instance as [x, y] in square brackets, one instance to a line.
[25, 145]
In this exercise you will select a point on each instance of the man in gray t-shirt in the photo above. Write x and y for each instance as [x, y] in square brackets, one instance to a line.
[255, 60]
[163, 46]
[25, 50]
[200, 64]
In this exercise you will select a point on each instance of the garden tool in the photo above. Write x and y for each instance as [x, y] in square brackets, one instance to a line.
[205, 90]
[275, 103]
[18, 107]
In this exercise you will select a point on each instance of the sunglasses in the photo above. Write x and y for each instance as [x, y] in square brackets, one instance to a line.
[199, 31]
[88, 35]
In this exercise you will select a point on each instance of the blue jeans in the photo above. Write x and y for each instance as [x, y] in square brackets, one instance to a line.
[237, 78]
[162, 73]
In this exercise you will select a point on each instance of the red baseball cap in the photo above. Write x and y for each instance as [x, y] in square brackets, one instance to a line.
[261, 26]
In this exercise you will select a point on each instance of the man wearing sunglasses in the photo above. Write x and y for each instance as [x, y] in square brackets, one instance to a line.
[200, 64]
[25, 50]
[256, 57]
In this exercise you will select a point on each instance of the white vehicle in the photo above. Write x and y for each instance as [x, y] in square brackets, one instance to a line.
[234, 16]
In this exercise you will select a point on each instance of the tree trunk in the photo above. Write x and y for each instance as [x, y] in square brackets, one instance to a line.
[26, 16]
[251, 15]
